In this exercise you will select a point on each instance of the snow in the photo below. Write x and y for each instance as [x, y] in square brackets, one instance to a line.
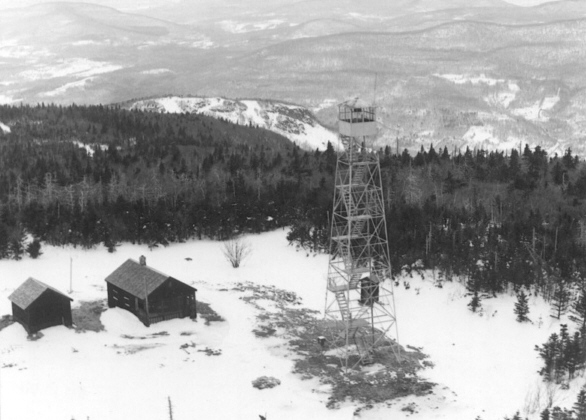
[85, 42]
[550, 101]
[291, 121]
[11, 49]
[90, 148]
[480, 134]
[326, 103]
[531, 112]
[79, 67]
[80, 84]
[484, 365]
[204, 44]
[156, 71]
[528, 3]
[365, 17]
[7, 100]
[475, 80]
[239, 28]
[4, 128]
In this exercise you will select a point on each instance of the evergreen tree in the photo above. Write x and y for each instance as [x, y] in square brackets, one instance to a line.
[574, 358]
[522, 307]
[580, 405]
[544, 415]
[562, 354]
[16, 244]
[34, 248]
[578, 311]
[4, 241]
[559, 414]
[474, 303]
[560, 299]
[549, 354]
[16, 249]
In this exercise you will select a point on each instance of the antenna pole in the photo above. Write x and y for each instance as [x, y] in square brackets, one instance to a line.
[374, 92]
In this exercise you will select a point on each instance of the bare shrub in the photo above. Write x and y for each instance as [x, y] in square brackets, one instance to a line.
[236, 250]
[264, 382]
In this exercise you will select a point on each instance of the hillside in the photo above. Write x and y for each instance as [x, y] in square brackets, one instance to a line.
[294, 122]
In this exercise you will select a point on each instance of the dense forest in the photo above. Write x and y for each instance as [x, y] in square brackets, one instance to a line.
[91, 175]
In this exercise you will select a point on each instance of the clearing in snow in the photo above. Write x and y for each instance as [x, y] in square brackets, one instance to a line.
[481, 364]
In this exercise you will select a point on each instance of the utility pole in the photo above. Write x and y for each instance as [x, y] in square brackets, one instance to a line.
[70, 275]
[170, 408]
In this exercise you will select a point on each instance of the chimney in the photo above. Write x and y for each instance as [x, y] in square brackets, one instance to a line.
[142, 260]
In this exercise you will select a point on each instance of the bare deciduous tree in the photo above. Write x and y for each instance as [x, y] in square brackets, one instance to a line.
[236, 250]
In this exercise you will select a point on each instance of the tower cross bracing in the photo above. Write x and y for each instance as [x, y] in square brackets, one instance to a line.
[360, 310]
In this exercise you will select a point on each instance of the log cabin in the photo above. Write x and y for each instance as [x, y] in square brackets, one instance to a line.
[149, 294]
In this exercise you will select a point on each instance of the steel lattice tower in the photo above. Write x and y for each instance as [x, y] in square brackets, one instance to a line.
[360, 307]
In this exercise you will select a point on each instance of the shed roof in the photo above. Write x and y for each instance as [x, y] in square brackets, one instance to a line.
[135, 278]
[29, 291]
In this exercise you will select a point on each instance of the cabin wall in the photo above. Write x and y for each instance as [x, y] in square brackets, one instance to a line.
[48, 310]
[20, 315]
[173, 297]
[121, 299]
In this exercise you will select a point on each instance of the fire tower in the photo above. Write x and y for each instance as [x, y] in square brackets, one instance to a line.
[360, 307]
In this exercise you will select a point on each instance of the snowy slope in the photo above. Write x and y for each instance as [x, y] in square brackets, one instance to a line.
[4, 128]
[292, 121]
[484, 365]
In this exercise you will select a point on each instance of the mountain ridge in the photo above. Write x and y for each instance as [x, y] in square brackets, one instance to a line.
[292, 121]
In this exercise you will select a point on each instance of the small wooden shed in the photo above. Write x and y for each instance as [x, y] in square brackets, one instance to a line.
[37, 305]
[149, 294]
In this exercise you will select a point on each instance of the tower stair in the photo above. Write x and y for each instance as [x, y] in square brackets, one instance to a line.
[343, 304]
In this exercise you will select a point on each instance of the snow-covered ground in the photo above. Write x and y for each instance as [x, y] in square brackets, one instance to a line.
[156, 71]
[77, 67]
[80, 84]
[484, 365]
[480, 134]
[528, 3]
[531, 113]
[460, 79]
[4, 128]
[239, 27]
[291, 121]
[91, 148]
[5, 100]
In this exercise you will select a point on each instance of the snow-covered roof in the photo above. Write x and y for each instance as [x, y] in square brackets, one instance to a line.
[30, 291]
[138, 280]
[356, 103]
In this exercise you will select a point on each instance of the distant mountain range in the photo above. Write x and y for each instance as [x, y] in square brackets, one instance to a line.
[451, 73]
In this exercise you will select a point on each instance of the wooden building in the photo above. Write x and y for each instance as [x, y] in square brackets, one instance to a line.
[149, 294]
[37, 305]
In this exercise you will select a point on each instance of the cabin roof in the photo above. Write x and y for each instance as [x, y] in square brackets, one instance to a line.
[29, 291]
[355, 103]
[138, 280]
